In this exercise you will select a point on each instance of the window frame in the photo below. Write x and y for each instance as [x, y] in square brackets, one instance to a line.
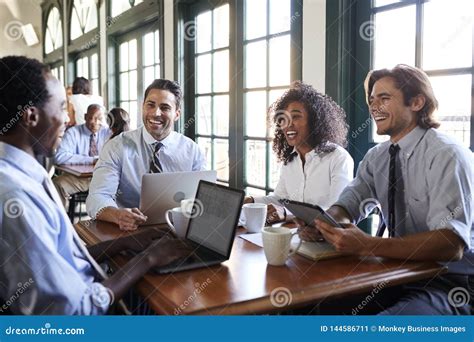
[185, 73]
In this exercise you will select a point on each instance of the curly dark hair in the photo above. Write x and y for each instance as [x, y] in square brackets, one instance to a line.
[22, 83]
[326, 120]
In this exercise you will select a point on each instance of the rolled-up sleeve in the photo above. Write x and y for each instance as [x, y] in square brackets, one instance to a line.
[360, 189]
[36, 276]
[450, 183]
[106, 179]
[67, 150]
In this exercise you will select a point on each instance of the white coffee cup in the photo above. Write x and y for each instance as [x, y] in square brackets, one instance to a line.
[187, 206]
[277, 243]
[255, 216]
[178, 221]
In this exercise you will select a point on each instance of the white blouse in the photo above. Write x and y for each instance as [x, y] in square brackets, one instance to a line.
[319, 182]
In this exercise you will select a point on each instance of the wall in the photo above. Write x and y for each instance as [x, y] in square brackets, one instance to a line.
[314, 43]
[13, 14]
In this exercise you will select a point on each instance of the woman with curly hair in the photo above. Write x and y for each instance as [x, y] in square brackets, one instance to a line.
[310, 137]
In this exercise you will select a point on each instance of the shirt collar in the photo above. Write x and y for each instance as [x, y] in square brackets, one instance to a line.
[149, 140]
[87, 131]
[22, 161]
[408, 142]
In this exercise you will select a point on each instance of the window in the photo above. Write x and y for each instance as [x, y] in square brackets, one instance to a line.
[54, 33]
[58, 72]
[212, 88]
[238, 71]
[87, 65]
[83, 17]
[120, 6]
[139, 64]
[436, 36]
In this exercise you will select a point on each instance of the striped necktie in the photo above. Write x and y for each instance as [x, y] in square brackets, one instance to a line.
[155, 165]
[93, 149]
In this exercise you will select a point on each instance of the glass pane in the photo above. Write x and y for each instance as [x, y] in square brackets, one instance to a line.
[125, 106]
[76, 30]
[124, 86]
[256, 65]
[221, 26]
[132, 45]
[454, 98]
[275, 94]
[157, 71]
[205, 145]
[221, 115]
[134, 115]
[95, 86]
[255, 164]
[392, 46]
[379, 3]
[95, 66]
[133, 85]
[148, 76]
[203, 74]
[204, 120]
[256, 114]
[85, 67]
[255, 192]
[221, 152]
[54, 31]
[79, 71]
[275, 168]
[280, 61]
[447, 34]
[255, 18]
[203, 30]
[124, 56]
[221, 71]
[157, 46]
[91, 22]
[148, 49]
[280, 11]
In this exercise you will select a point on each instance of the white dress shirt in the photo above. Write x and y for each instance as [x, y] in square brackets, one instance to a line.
[125, 159]
[319, 182]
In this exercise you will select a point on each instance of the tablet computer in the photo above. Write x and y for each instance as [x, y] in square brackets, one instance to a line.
[308, 212]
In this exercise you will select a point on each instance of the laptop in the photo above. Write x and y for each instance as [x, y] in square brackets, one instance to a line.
[163, 191]
[211, 230]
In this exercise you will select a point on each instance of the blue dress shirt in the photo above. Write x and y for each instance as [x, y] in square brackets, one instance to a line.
[74, 147]
[125, 159]
[42, 270]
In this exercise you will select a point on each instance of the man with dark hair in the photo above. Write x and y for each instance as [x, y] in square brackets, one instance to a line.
[39, 250]
[424, 181]
[81, 145]
[114, 193]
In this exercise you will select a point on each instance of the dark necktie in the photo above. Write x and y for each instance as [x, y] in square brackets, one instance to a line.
[93, 150]
[155, 165]
[392, 187]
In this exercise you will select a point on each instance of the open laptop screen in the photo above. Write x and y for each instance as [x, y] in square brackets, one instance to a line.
[215, 216]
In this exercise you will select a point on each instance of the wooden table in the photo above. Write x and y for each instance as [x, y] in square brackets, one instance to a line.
[78, 170]
[246, 284]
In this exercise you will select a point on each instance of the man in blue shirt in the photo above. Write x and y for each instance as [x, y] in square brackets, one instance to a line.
[81, 145]
[44, 267]
[424, 181]
[114, 193]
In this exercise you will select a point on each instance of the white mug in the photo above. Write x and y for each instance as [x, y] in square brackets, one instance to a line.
[255, 216]
[187, 206]
[178, 221]
[277, 243]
